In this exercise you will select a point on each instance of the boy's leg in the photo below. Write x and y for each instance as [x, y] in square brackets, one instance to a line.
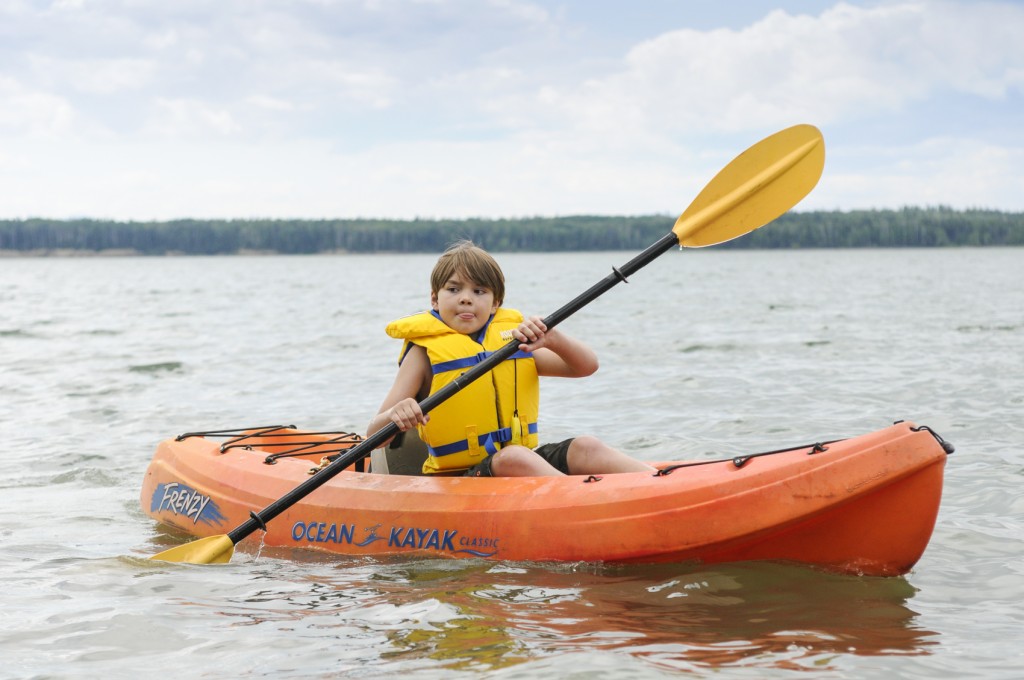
[590, 456]
[519, 461]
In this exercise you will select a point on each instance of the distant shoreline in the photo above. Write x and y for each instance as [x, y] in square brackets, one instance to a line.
[127, 252]
[117, 254]
[906, 227]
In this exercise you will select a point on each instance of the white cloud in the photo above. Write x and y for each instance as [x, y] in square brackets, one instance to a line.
[849, 63]
[189, 118]
[936, 171]
[270, 103]
[94, 76]
[365, 87]
[161, 39]
[32, 112]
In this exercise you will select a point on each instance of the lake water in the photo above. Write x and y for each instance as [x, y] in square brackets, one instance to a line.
[704, 354]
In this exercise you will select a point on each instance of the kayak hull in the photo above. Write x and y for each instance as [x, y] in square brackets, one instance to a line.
[863, 505]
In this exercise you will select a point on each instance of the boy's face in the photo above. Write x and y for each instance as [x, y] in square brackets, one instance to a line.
[464, 305]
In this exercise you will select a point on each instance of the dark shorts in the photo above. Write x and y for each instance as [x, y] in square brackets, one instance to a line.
[555, 454]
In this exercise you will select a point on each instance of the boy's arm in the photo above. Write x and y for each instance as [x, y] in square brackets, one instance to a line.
[400, 406]
[555, 353]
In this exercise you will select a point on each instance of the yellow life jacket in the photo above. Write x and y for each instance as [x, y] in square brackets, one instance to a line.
[496, 409]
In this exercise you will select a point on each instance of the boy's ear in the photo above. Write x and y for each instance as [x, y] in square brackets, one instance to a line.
[433, 301]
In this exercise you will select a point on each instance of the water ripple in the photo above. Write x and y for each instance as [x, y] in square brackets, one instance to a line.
[103, 358]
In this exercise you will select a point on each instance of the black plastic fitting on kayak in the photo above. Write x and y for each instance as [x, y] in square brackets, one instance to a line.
[946, 446]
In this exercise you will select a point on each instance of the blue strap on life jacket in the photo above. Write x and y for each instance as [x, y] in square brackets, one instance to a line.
[490, 441]
[470, 361]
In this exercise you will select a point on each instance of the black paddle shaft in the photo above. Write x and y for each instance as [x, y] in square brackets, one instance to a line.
[378, 438]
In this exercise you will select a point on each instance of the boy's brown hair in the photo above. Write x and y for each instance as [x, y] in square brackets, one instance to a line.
[466, 258]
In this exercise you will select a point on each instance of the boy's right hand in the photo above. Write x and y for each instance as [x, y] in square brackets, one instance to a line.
[407, 414]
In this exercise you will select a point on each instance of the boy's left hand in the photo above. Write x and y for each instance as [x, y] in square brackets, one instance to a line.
[561, 356]
[532, 333]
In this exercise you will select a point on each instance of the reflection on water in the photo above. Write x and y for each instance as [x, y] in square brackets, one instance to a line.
[480, 615]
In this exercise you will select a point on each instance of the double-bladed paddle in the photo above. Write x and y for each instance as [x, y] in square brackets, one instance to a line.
[759, 185]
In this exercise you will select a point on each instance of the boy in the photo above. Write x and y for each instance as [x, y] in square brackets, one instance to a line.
[489, 428]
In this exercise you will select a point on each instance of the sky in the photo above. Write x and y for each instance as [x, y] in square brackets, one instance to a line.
[135, 110]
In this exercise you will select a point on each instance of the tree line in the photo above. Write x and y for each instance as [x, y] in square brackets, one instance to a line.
[907, 227]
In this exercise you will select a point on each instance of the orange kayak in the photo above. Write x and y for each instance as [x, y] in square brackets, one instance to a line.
[863, 505]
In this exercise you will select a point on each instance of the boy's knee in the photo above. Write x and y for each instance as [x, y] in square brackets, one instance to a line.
[509, 457]
[517, 461]
[586, 443]
[583, 449]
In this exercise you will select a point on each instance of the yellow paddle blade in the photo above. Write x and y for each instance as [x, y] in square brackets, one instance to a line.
[209, 550]
[780, 170]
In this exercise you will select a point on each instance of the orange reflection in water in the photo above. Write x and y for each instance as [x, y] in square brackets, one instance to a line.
[493, 615]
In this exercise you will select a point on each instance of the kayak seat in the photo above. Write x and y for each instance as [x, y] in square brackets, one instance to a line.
[403, 456]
